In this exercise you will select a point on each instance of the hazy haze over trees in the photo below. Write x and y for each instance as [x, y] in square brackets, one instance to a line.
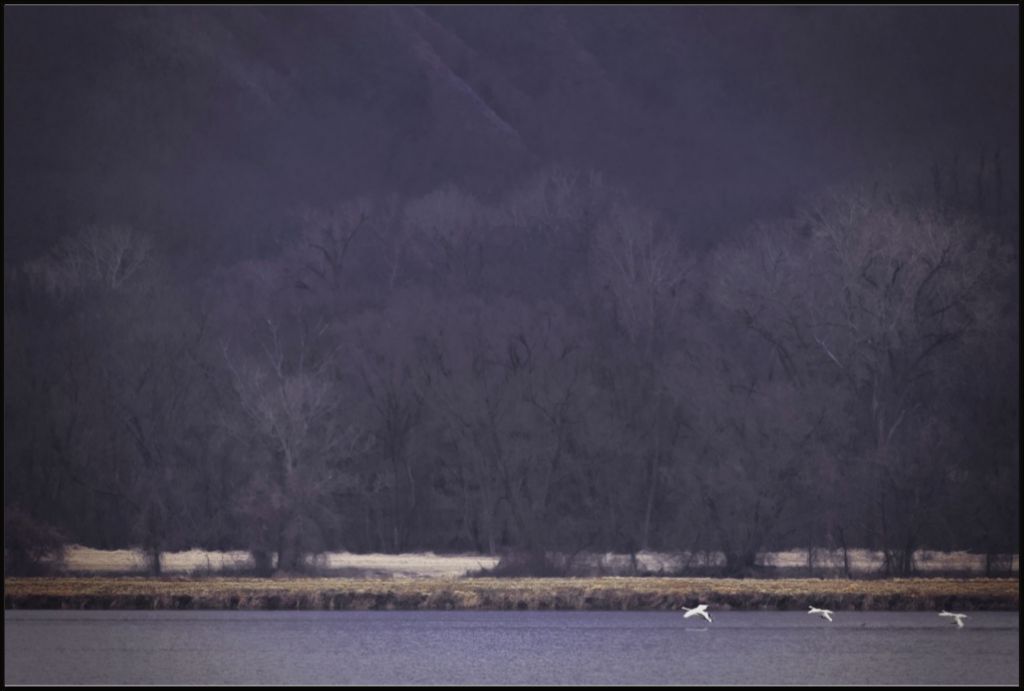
[535, 278]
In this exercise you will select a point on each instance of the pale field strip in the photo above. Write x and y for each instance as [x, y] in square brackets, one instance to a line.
[80, 559]
[420, 565]
[861, 560]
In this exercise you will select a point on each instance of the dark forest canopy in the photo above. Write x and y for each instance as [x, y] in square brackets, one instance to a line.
[397, 278]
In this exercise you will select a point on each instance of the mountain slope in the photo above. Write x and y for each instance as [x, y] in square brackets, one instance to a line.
[210, 126]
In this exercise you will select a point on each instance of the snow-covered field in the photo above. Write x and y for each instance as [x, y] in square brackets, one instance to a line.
[80, 559]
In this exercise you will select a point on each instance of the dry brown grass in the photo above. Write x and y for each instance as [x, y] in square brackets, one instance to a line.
[490, 593]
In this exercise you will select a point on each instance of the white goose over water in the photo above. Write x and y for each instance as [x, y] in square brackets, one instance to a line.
[701, 610]
[823, 613]
[958, 618]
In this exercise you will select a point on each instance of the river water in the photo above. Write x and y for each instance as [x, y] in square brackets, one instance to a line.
[399, 647]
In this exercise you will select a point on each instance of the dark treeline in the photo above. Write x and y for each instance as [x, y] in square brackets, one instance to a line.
[554, 371]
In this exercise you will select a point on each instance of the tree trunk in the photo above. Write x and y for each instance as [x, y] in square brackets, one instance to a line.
[154, 560]
[846, 553]
[288, 554]
[740, 563]
[651, 486]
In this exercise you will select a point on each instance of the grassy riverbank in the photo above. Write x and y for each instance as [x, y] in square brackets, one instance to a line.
[608, 593]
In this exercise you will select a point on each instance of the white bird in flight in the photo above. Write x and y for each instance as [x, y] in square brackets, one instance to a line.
[823, 613]
[702, 610]
[958, 618]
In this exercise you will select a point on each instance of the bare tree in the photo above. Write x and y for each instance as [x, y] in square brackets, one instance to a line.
[327, 240]
[639, 270]
[383, 352]
[448, 236]
[109, 256]
[506, 382]
[894, 289]
[291, 407]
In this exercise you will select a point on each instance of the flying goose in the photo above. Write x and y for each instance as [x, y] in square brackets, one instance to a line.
[958, 618]
[702, 610]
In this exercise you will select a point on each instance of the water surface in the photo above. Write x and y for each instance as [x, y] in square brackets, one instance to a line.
[261, 647]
